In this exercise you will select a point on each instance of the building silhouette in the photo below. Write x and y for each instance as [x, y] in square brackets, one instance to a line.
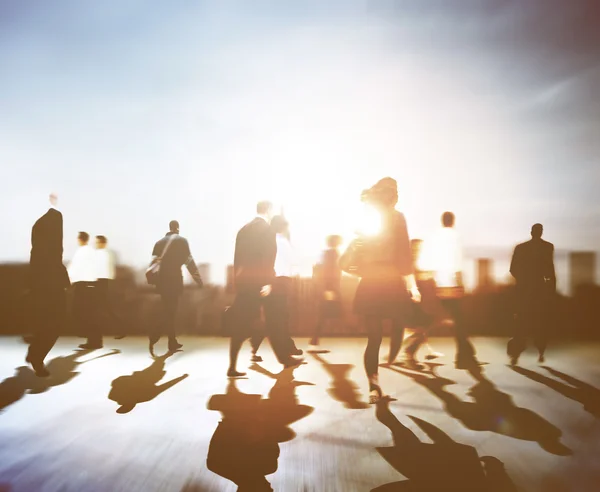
[485, 279]
[582, 269]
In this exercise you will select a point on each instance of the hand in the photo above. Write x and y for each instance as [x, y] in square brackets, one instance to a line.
[415, 294]
[265, 291]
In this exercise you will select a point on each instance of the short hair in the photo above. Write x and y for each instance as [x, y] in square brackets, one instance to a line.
[174, 226]
[537, 230]
[101, 239]
[334, 241]
[448, 219]
[279, 224]
[263, 207]
[83, 236]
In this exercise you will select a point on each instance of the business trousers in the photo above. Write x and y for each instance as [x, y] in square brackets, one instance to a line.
[170, 303]
[49, 310]
[104, 311]
[465, 352]
[533, 317]
[246, 313]
[84, 311]
[277, 317]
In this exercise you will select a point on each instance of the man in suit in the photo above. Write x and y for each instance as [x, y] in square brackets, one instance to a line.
[48, 280]
[532, 266]
[175, 252]
[254, 271]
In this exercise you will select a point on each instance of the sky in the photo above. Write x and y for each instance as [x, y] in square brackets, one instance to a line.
[137, 113]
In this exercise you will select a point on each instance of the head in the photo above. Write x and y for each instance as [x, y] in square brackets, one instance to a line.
[334, 241]
[448, 219]
[83, 238]
[101, 242]
[382, 195]
[174, 227]
[53, 199]
[265, 209]
[536, 231]
[279, 224]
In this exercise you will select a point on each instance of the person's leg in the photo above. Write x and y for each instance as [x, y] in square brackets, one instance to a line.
[246, 313]
[275, 319]
[540, 327]
[414, 342]
[465, 352]
[396, 339]
[371, 357]
[170, 303]
[284, 316]
[50, 307]
[95, 315]
[314, 341]
[518, 343]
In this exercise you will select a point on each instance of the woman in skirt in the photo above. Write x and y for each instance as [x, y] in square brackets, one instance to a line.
[384, 264]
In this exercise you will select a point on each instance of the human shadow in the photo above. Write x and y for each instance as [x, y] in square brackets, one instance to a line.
[342, 388]
[492, 410]
[245, 445]
[441, 466]
[62, 370]
[576, 390]
[142, 386]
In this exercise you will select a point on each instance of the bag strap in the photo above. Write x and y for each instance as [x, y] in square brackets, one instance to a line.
[167, 246]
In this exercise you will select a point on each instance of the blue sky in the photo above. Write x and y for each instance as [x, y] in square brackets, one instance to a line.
[140, 112]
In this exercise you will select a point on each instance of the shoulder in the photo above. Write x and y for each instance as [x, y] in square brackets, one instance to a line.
[548, 245]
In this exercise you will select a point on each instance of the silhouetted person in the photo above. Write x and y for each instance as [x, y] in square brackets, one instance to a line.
[142, 386]
[532, 266]
[442, 256]
[48, 280]
[173, 251]
[425, 314]
[82, 272]
[245, 445]
[277, 303]
[383, 263]
[327, 279]
[105, 273]
[254, 274]
[441, 466]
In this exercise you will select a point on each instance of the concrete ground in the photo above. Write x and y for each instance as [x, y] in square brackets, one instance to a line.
[118, 420]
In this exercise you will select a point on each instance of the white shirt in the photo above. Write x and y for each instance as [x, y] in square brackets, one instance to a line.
[105, 264]
[83, 265]
[442, 254]
[284, 260]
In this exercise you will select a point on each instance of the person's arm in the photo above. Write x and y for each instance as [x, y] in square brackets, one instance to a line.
[190, 264]
[458, 261]
[514, 264]
[405, 263]
[551, 271]
[270, 249]
[155, 253]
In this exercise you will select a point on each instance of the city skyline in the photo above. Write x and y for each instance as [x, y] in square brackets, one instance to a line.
[137, 115]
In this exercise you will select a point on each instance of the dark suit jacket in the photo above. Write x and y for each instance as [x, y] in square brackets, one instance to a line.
[255, 251]
[170, 278]
[46, 268]
[533, 261]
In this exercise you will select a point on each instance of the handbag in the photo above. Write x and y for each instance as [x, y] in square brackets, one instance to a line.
[152, 273]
